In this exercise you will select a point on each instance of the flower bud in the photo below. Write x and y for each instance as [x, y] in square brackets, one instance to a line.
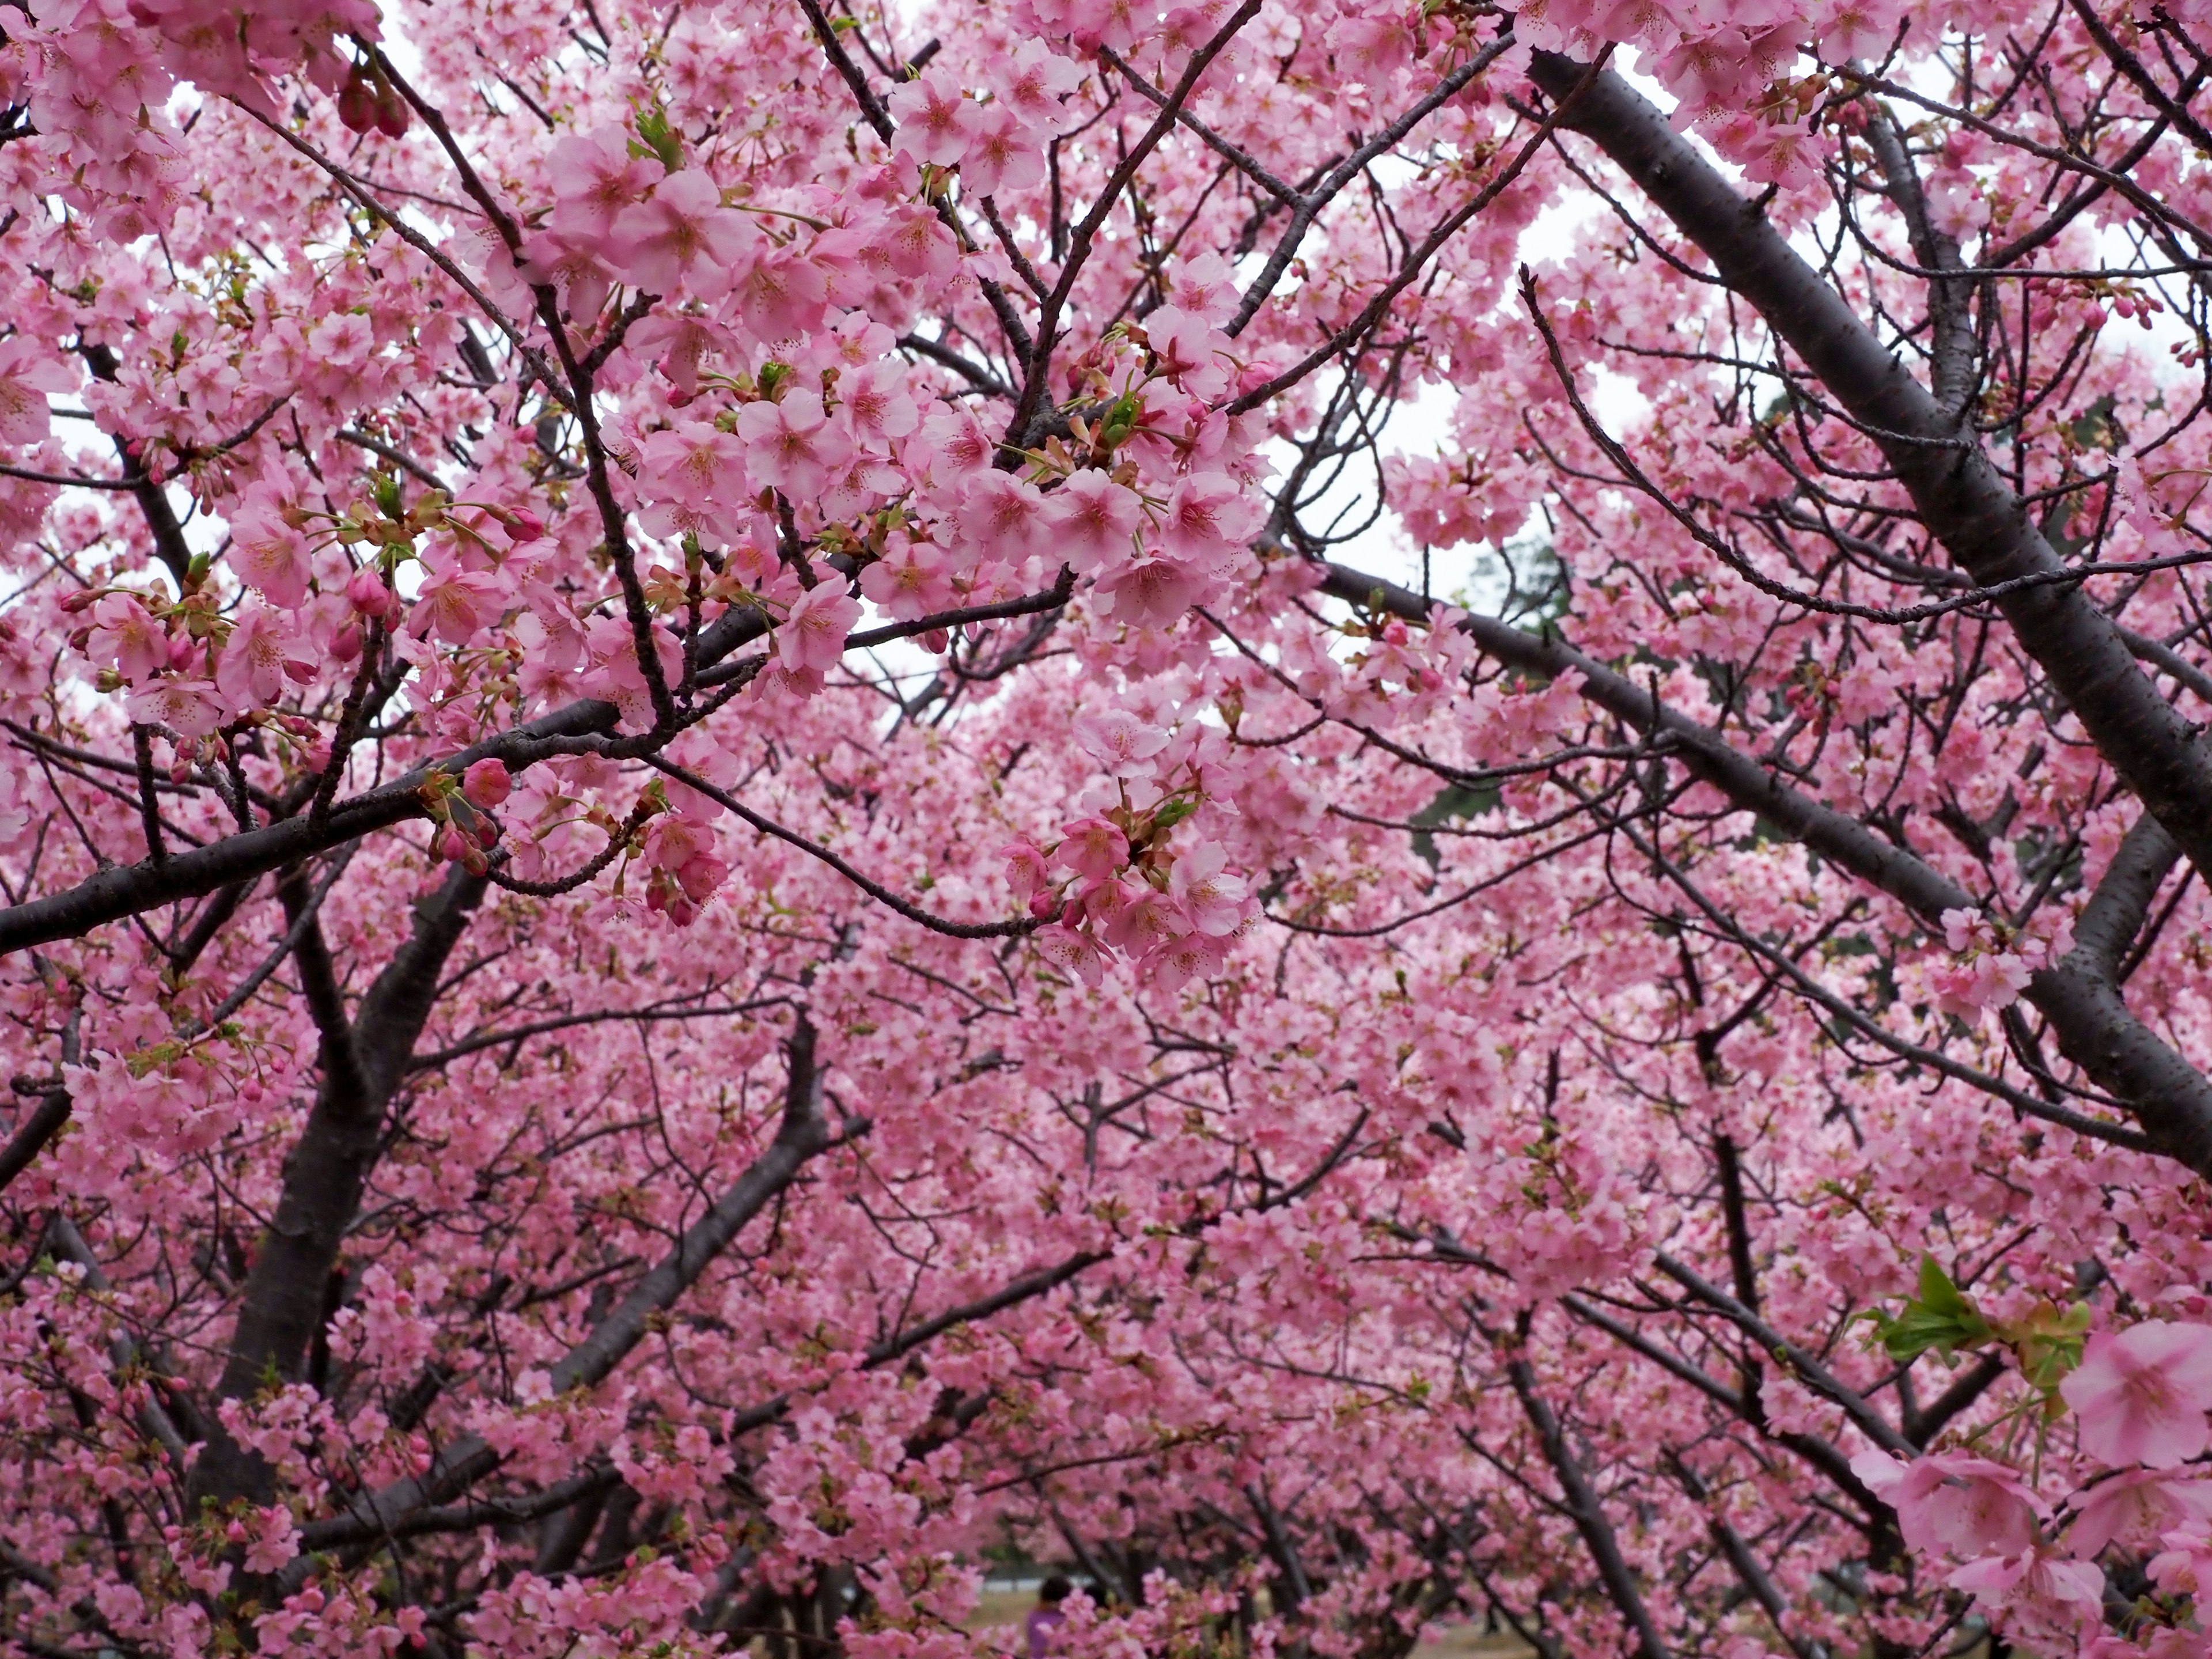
[357, 104]
[486, 784]
[367, 594]
[391, 116]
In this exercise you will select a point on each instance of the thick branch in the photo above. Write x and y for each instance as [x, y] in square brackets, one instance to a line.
[1588, 1513]
[2169, 1096]
[1961, 498]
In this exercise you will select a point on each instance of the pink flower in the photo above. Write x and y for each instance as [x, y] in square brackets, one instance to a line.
[2141, 1394]
[1136, 917]
[188, 708]
[935, 120]
[2135, 1501]
[874, 400]
[694, 463]
[274, 1540]
[1025, 866]
[367, 594]
[1092, 520]
[1212, 898]
[911, 581]
[812, 633]
[792, 444]
[2032, 1576]
[595, 179]
[1122, 743]
[1857, 30]
[1034, 83]
[779, 291]
[260, 655]
[1002, 517]
[1093, 847]
[1002, 152]
[453, 603]
[575, 264]
[2185, 1566]
[1185, 344]
[1206, 287]
[1208, 513]
[658, 240]
[1074, 953]
[1174, 964]
[27, 374]
[1152, 594]
[124, 634]
[1968, 1505]
[268, 553]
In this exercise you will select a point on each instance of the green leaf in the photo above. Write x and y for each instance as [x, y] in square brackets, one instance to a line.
[659, 137]
[1942, 1317]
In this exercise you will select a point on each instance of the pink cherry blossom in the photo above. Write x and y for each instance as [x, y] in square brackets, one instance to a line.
[1121, 741]
[26, 375]
[191, 708]
[813, 632]
[935, 120]
[1092, 519]
[1092, 847]
[2140, 1395]
[263, 653]
[1001, 153]
[1969, 1505]
[1003, 517]
[1207, 513]
[913, 580]
[125, 635]
[792, 444]
[654, 243]
[596, 178]
[1211, 895]
[2137, 1502]
[1035, 84]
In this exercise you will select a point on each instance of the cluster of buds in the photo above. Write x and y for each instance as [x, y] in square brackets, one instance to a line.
[367, 100]
[462, 806]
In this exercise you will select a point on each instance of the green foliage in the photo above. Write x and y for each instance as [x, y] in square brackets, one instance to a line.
[1942, 1317]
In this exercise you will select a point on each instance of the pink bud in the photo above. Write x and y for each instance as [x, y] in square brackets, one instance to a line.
[935, 640]
[1044, 904]
[345, 644]
[357, 104]
[486, 784]
[367, 595]
[391, 116]
[181, 647]
[528, 526]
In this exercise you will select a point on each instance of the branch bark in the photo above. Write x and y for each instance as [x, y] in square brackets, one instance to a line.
[1961, 499]
[2169, 1096]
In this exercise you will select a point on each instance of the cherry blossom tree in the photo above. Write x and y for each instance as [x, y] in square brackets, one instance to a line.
[725, 880]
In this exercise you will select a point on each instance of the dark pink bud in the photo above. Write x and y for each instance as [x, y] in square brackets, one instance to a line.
[367, 594]
[486, 784]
